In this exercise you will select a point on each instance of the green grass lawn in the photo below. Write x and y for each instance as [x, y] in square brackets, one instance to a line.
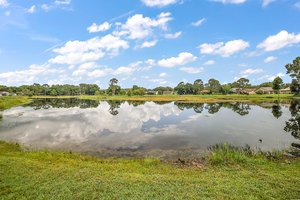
[10, 101]
[185, 98]
[225, 175]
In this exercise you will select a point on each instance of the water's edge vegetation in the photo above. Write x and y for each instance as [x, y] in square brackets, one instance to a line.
[225, 173]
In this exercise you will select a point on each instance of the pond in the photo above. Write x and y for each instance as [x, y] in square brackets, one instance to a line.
[161, 129]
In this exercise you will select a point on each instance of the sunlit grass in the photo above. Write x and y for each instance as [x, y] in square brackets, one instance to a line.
[186, 98]
[11, 101]
[56, 175]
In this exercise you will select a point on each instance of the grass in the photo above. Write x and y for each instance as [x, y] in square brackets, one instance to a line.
[58, 175]
[185, 98]
[11, 101]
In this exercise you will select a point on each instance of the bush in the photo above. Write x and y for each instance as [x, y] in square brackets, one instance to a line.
[259, 92]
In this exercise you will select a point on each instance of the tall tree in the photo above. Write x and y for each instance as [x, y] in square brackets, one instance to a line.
[198, 86]
[214, 85]
[113, 87]
[277, 84]
[242, 83]
[293, 69]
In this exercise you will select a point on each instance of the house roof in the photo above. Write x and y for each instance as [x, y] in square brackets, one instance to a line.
[266, 89]
[286, 89]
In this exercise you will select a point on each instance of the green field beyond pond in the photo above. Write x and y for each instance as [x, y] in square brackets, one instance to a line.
[10, 101]
[224, 174]
[185, 98]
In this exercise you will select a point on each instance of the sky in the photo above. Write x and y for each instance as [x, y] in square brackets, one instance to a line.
[146, 42]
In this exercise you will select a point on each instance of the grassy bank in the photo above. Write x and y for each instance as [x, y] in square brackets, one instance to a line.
[225, 175]
[185, 98]
[8, 102]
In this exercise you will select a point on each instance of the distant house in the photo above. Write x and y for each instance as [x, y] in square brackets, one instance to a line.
[205, 92]
[248, 91]
[151, 92]
[233, 90]
[285, 91]
[3, 93]
[266, 90]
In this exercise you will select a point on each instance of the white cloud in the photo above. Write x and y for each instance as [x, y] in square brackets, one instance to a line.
[271, 77]
[94, 28]
[191, 70]
[31, 10]
[147, 44]
[270, 59]
[162, 75]
[27, 76]
[159, 81]
[7, 13]
[82, 69]
[140, 27]
[100, 73]
[267, 2]
[278, 41]
[4, 3]
[209, 62]
[230, 1]
[46, 7]
[199, 22]
[250, 71]
[182, 59]
[62, 2]
[297, 5]
[158, 3]
[224, 49]
[173, 36]
[77, 52]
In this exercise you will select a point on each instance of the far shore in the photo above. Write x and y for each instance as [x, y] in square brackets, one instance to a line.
[214, 98]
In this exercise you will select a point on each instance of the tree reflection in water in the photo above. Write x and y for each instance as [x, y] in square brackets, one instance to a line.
[293, 125]
[63, 103]
[114, 105]
[276, 110]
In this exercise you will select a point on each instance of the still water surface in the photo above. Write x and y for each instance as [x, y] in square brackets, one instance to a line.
[115, 128]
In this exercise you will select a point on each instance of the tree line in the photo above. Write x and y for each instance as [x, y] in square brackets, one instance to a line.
[213, 86]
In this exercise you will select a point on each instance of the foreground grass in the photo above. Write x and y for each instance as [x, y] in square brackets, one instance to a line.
[10, 101]
[54, 175]
[185, 98]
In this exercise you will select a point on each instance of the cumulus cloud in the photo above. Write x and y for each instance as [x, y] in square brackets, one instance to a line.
[158, 3]
[77, 52]
[297, 5]
[94, 28]
[270, 59]
[62, 2]
[209, 62]
[279, 41]
[267, 2]
[31, 10]
[250, 71]
[147, 44]
[199, 22]
[83, 68]
[162, 74]
[224, 49]
[230, 1]
[27, 76]
[4, 3]
[191, 70]
[173, 36]
[271, 77]
[182, 59]
[140, 27]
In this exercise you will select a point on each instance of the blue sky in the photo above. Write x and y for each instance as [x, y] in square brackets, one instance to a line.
[146, 42]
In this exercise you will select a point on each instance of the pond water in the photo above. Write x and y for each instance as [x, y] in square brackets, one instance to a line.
[169, 129]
